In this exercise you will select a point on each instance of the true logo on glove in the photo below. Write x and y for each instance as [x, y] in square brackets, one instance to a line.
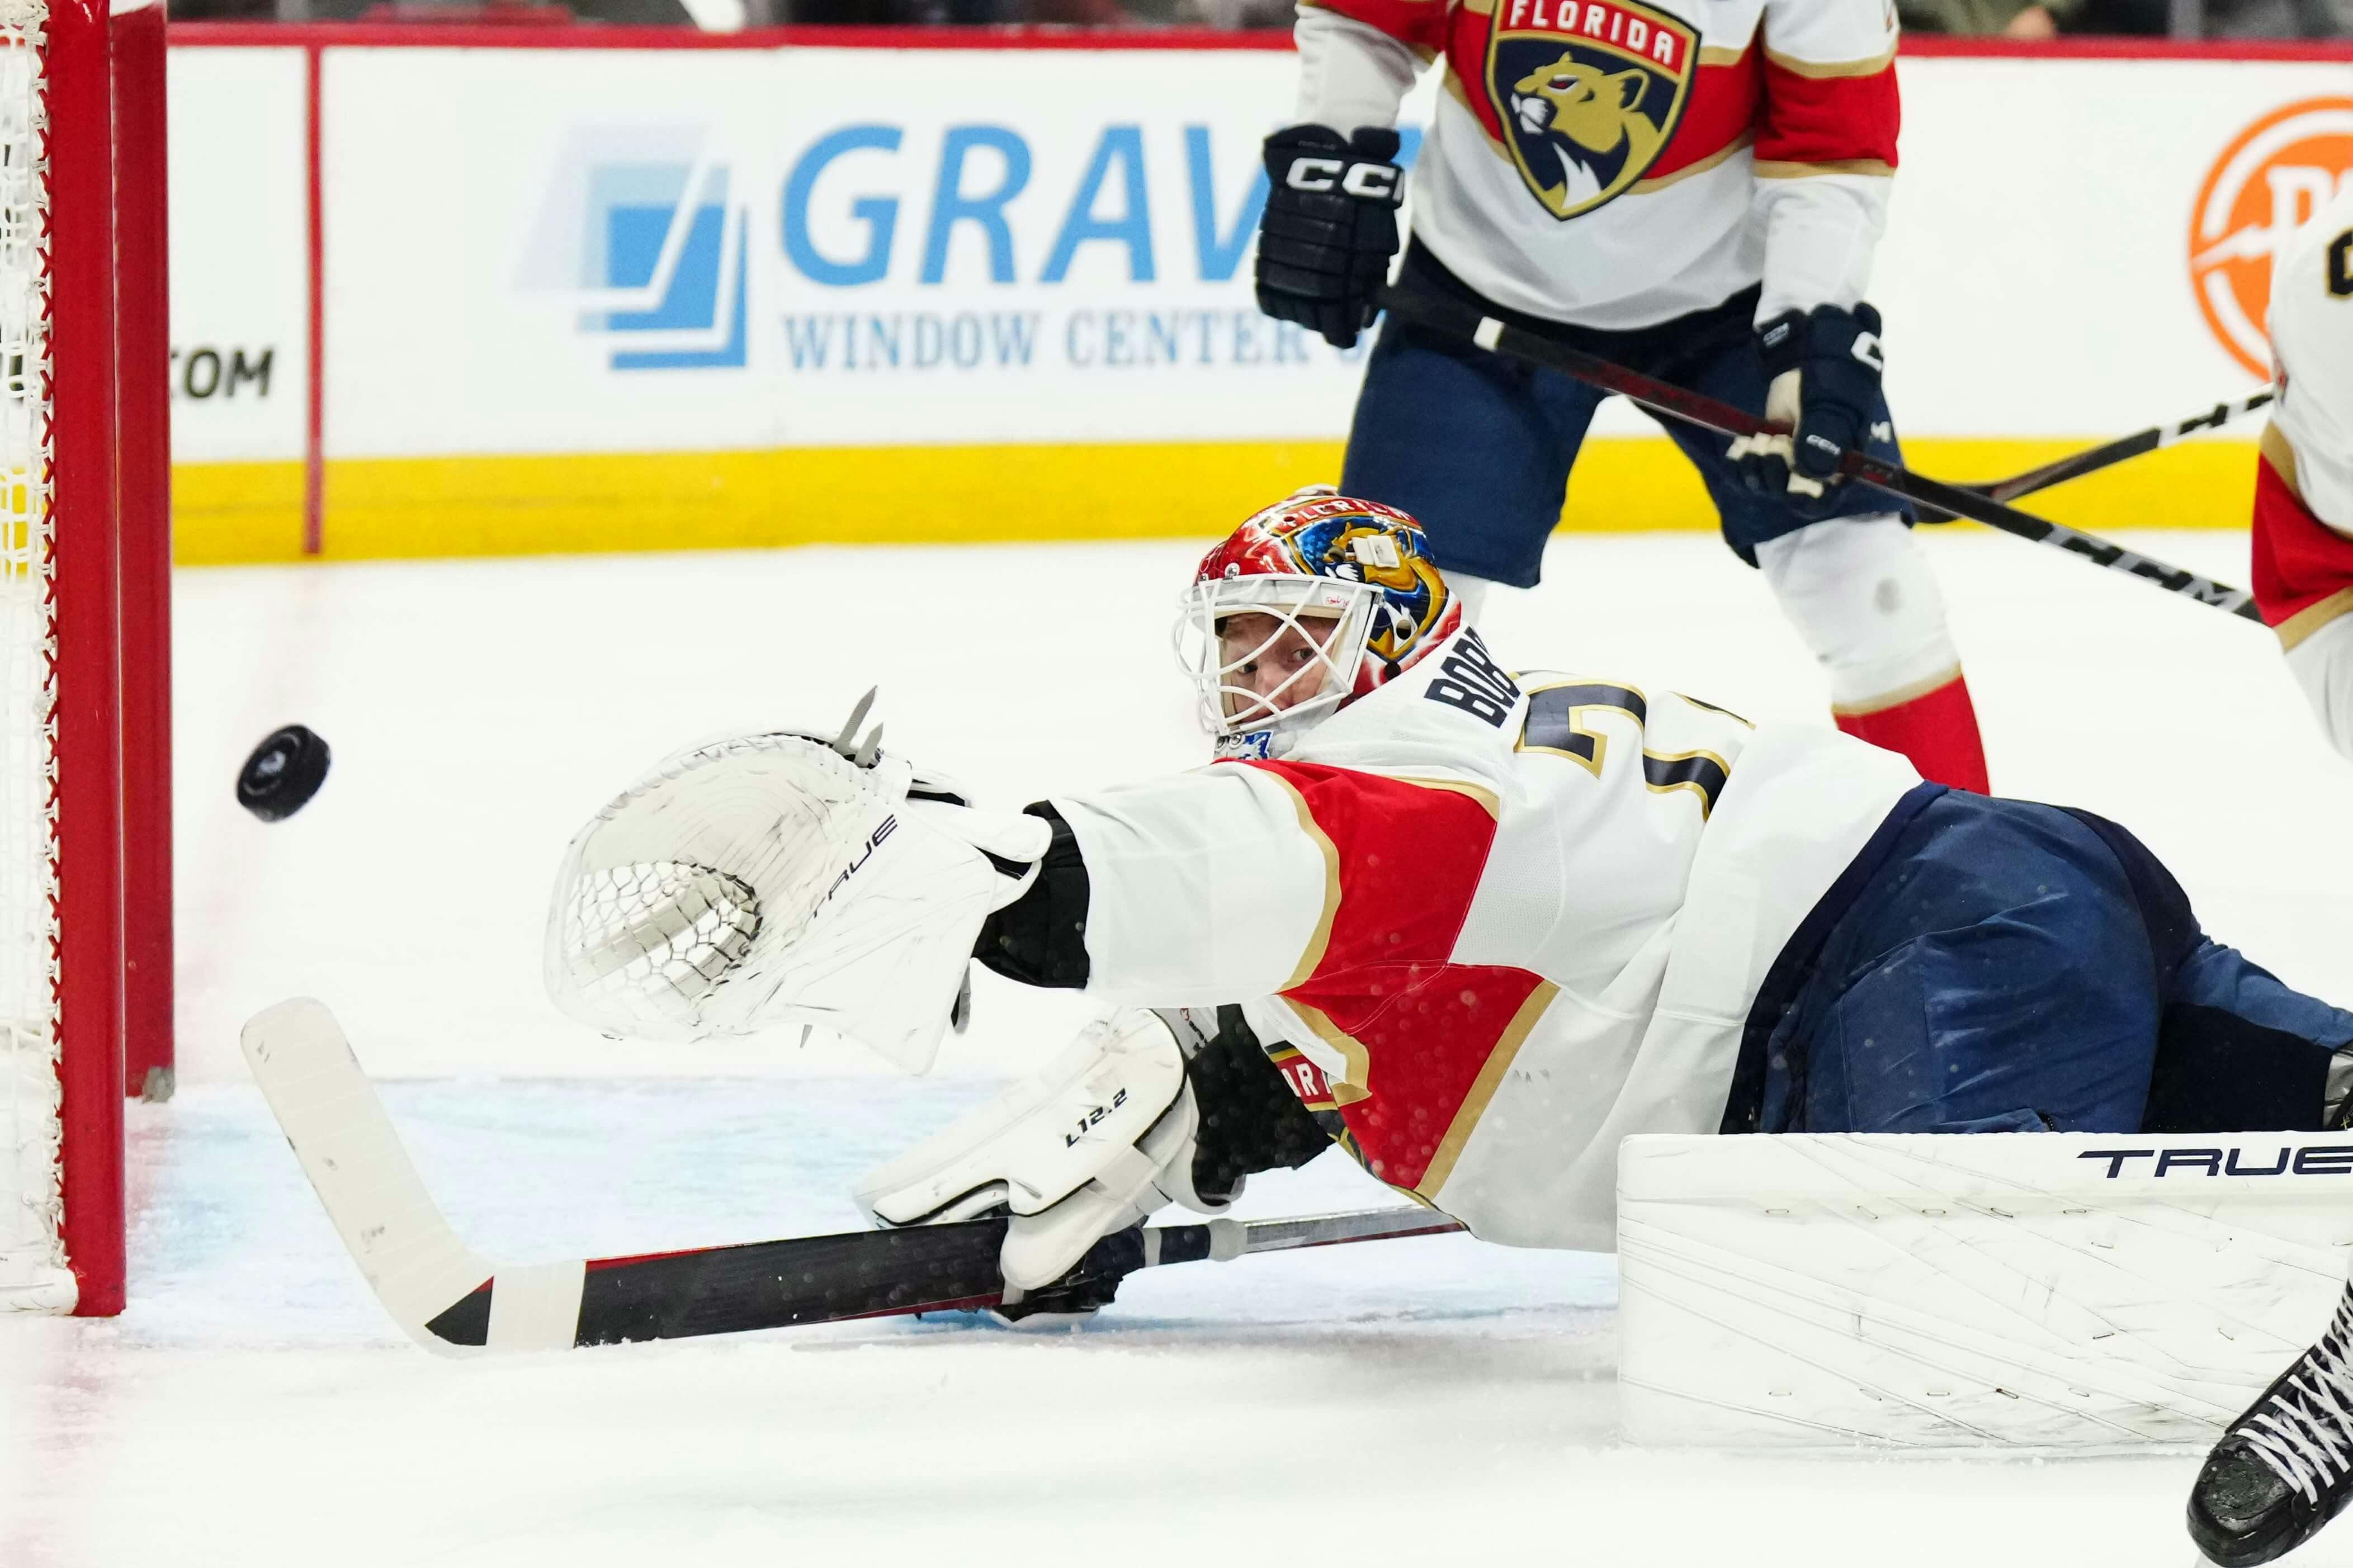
[1588, 93]
[865, 853]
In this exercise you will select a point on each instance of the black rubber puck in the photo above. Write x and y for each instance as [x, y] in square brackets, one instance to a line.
[284, 771]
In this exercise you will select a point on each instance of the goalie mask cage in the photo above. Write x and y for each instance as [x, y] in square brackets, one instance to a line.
[85, 852]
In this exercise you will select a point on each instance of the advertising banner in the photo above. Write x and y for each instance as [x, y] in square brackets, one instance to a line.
[593, 298]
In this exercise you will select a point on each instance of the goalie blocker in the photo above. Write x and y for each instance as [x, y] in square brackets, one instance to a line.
[1146, 1108]
[1995, 1290]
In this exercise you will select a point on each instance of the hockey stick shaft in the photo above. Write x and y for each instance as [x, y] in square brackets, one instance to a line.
[2110, 453]
[881, 1274]
[450, 1299]
[1467, 323]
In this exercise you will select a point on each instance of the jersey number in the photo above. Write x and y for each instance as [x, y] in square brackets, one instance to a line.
[1556, 723]
[2340, 264]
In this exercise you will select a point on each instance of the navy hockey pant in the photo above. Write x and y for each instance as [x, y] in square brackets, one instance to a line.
[1993, 965]
[1478, 446]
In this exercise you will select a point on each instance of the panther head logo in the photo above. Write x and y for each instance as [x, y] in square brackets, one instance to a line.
[1585, 115]
[1358, 549]
[1585, 99]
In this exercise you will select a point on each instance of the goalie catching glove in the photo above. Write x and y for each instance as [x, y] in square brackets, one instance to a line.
[1144, 1109]
[783, 877]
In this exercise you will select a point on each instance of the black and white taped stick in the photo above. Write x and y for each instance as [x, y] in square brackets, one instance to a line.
[2109, 453]
[450, 1299]
[1468, 324]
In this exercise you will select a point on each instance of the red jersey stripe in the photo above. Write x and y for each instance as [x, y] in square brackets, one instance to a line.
[1722, 111]
[1810, 119]
[2303, 567]
[1418, 1031]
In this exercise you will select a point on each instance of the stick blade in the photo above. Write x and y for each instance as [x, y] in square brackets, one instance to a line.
[348, 1148]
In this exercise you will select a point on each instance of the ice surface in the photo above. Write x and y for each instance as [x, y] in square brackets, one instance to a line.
[1432, 1400]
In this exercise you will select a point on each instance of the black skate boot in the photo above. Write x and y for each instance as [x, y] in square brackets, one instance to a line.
[2285, 1467]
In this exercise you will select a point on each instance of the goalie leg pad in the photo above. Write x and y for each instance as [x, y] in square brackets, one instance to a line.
[2008, 1289]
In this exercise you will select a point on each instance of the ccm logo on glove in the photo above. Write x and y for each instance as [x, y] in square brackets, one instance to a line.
[1365, 182]
[1329, 228]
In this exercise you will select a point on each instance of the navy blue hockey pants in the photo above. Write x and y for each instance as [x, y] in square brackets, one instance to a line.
[1991, 965]
[1478, 446]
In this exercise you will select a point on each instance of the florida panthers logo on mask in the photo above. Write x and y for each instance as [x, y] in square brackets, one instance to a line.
[1589, 92]
[1360, 544]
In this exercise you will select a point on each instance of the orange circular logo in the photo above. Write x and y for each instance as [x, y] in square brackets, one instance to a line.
[2272, 177]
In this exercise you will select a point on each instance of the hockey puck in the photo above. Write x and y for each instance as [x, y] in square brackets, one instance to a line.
[284, 771]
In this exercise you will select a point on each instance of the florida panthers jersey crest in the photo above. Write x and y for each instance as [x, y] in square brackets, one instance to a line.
[1587, 93]
[1616, 164]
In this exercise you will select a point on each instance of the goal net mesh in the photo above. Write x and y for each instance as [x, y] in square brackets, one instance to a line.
[32, 1261]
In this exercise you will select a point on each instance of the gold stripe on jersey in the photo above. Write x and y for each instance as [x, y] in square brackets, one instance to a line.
[1353, 1055]
[1715, 55]
[2280, 453]
[1482, 1090]
[1776, 169]
[1823, 71]
[1741, 144]
[1712, 708]
[1897, 698]
[2312, 617]
[1486, 798]
[1311, 958]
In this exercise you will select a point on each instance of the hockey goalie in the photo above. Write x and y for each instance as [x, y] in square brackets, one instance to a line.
[1475, 921]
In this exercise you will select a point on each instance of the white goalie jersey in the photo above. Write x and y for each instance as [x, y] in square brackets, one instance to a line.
[1492, 922]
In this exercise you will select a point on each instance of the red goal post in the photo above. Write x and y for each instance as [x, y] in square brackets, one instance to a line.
[85, 847]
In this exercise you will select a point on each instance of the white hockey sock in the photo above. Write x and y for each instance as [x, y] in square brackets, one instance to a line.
[1862, 596]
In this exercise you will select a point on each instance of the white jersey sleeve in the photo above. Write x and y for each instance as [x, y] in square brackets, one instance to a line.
[1203, 888]
[1351, 74]
[2312, 340]
[1821, 207]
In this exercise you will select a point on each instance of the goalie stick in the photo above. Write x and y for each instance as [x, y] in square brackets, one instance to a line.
[2109, 453]
[449, 1300]
[1467, 323]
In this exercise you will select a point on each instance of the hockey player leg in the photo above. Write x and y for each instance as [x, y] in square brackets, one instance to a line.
[2238, 1051]
[1476, 448]
[2243, 1052]
[1860, 592]
[1993, 976]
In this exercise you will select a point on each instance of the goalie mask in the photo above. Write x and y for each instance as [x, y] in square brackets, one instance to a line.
[1305, 607]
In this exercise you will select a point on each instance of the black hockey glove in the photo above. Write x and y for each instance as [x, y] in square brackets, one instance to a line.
[1822, 372]
[1330, 227]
